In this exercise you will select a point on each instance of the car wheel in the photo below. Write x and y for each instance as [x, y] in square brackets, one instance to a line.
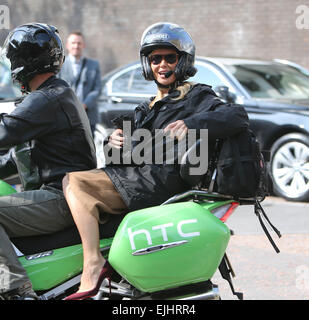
[289, 167]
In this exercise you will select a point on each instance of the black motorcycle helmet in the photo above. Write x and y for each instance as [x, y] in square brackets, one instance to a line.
[165, 34]
[33, 49]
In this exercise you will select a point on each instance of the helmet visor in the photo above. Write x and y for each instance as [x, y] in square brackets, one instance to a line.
[10, 49]
[9, 57]
[4, 50]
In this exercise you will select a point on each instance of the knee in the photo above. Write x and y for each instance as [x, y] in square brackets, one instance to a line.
[70, 179]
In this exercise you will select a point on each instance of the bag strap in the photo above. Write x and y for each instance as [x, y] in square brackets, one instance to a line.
[213, 165]
[259, 209]
[238, 159]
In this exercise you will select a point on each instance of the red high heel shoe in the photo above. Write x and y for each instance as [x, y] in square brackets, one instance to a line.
[106, 272]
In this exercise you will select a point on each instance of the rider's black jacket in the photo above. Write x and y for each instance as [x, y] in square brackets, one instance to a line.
[50, 133]
[148, 185]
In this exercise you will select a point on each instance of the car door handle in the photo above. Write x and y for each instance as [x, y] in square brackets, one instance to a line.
[116, 99]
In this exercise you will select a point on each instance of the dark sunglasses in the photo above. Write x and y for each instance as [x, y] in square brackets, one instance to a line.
[169, 58]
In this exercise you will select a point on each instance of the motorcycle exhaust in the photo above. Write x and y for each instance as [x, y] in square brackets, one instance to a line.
[206, 291]
[209, 295]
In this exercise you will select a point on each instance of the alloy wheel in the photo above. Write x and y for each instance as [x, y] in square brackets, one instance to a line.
[290, 168]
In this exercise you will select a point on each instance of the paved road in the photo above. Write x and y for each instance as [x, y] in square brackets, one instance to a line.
[261, 273]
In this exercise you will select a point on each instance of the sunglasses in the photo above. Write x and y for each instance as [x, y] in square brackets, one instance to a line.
[169, 58]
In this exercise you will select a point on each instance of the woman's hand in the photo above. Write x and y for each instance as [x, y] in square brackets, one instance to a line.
[115, 140]
[177, 129]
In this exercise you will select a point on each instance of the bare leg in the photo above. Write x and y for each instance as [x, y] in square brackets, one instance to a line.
[88, 228]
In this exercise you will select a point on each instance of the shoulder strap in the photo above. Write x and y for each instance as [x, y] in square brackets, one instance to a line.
[238, 158]
[258, 209]
[213, 165]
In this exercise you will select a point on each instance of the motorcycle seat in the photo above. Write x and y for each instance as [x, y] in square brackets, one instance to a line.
[64, 238]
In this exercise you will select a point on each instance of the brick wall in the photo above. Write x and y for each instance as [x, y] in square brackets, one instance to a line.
[238, 28]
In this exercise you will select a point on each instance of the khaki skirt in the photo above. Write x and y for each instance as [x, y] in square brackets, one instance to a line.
[97, 192]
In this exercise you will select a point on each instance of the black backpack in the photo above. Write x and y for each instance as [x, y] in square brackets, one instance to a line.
[241, 168]
[238, 169]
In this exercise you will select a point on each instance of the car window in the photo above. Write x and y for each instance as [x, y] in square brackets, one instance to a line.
[139, 84]
[209, 75]
[272, 81]
[7, 89]
[132, 81]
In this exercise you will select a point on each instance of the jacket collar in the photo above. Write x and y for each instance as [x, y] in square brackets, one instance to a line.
[46, 82]
[143, 114]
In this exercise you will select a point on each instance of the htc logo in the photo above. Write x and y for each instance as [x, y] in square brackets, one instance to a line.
[163, 228]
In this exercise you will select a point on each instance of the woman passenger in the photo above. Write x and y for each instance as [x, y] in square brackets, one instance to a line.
[167, 57]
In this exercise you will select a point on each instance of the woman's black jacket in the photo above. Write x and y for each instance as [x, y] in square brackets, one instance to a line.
[147, 185]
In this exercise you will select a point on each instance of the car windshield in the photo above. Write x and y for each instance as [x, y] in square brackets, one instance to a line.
[8, 91]
[271, 81]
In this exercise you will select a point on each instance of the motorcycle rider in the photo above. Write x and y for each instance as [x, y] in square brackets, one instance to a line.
[47, 135]
[167, 56]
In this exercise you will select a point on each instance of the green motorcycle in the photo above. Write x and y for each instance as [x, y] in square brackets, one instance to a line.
[169, 251]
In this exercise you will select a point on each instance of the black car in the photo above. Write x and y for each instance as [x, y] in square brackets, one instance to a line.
[274, 93]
